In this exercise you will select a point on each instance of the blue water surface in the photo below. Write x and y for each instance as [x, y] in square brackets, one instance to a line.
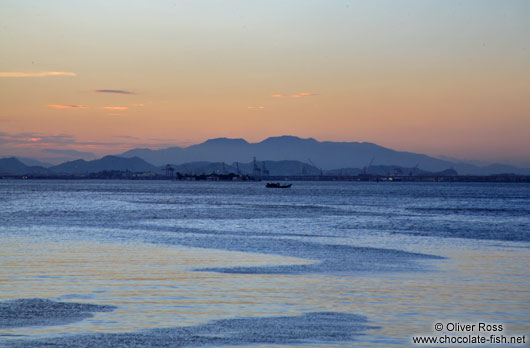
[237, 264]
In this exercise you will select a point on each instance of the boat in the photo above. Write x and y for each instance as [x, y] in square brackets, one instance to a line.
[276, 185]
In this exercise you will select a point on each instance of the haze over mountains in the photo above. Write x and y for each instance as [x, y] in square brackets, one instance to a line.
[284, 155]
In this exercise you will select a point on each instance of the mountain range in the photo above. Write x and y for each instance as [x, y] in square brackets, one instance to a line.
[324, 155]
[133, 164]
[284, 155]
[14, 166]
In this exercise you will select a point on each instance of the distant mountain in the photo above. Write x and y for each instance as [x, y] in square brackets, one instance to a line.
[459, 160]
[33, 162]
[285, 155]
[214, 150]
[133, 164]
[13, 166]
[326, 155]
[470, 169]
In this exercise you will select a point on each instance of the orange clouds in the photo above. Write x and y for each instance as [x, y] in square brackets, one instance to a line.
[256, 107]
[63, 106]
[113, 108]
[121, 108]
[294, 96]
[39, 74]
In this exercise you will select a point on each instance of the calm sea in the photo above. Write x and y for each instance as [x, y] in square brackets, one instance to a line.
[322, 264]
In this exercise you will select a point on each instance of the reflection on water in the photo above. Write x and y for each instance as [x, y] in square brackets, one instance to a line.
[154, 286]
[307, 327]
[148, 267]
[138, 279]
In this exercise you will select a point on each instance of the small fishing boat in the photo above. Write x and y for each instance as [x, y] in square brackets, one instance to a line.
[277, 185]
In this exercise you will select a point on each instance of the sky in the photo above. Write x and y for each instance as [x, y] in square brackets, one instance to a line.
[89, 78]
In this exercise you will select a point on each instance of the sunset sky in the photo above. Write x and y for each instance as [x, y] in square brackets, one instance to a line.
[83, 78]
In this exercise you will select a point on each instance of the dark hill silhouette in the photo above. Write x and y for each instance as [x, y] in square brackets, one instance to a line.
[284, 155]
[13, 166]
[133, 164]
[30, 162]
[326, 155]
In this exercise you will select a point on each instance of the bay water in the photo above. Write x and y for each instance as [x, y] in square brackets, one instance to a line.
[322, 264]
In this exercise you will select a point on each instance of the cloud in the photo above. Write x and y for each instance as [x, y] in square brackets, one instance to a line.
[34, 138]
[39, 74]
[63, 145]
[60, 140]
[294, 96]
[115, 91]
[63, 106]
[255, 107]
[120, 108]
[138, 105]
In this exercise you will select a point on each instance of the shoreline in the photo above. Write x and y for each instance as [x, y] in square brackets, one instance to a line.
[498, 178]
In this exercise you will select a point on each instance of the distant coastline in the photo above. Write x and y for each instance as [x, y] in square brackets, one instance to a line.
[137, 168]
[232, 177]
